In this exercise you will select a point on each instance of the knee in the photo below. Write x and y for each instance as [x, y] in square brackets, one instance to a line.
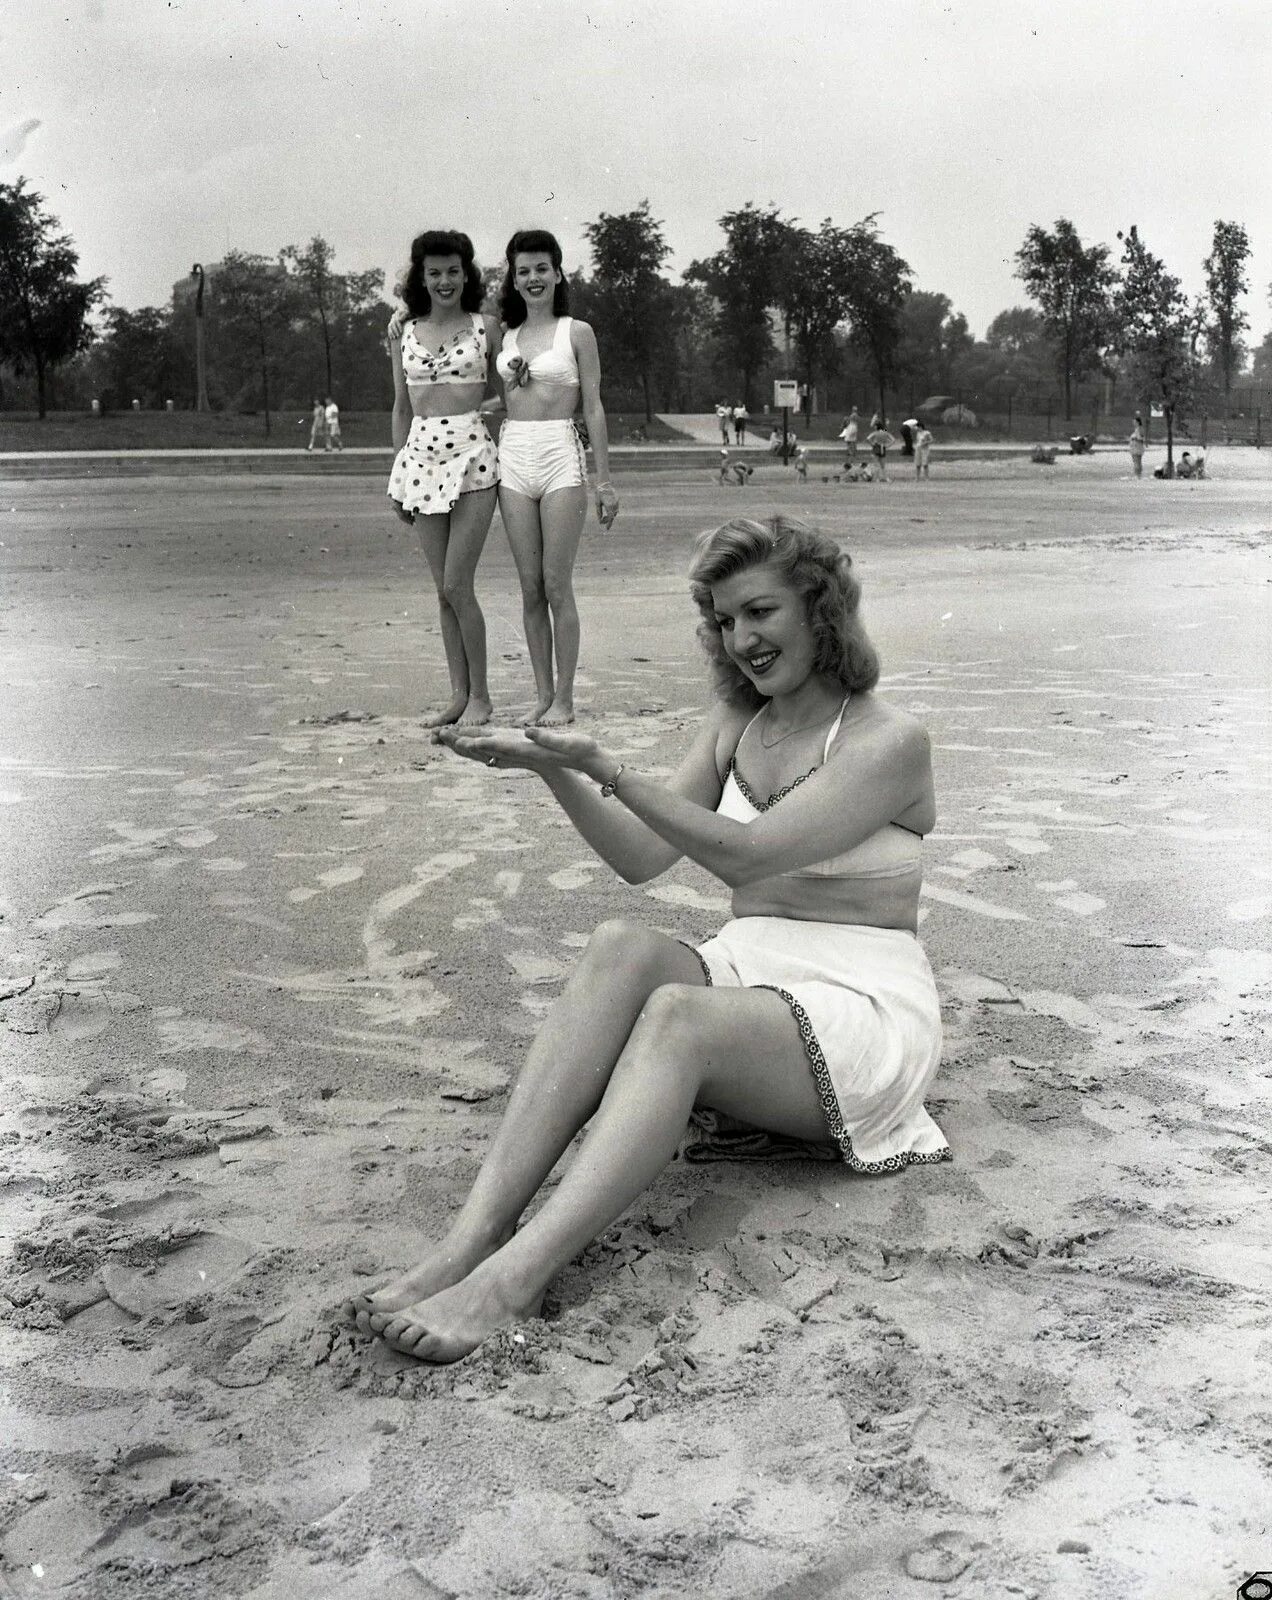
[558, 590]
[458, 593]
[533, 595]
[622, 945]
[672, 1017]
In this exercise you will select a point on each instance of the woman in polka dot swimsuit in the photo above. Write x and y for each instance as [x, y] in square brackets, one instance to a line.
[445, 475]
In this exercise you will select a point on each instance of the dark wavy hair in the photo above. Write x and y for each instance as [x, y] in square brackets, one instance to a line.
[439, 242]
[813, 566]
[538, 242]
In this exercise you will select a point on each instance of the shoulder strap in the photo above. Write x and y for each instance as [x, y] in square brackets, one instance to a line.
[562, 333]
[834, 729]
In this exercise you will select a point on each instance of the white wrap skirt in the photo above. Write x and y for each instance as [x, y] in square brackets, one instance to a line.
[866, 1005]
[443, 457]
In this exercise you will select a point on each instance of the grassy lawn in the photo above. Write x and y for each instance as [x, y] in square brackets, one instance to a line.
[215, 430]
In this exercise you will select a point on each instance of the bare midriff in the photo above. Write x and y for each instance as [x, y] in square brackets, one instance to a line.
[445, 399]
[549, 402]
[867, 902]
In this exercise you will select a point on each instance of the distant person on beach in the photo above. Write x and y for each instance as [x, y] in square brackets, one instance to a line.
[331, 415]
[550, 368]
[812, 1015]
[739, 424]
[443, 480]
[922, 450]
[724, 416]
[880, 441]
[800, 459]
[849, 437]
[1136, 446]
[317, 423]
[734, 472]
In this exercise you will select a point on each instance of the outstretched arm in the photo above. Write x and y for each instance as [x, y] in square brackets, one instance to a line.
[885, 774]
[634, 849]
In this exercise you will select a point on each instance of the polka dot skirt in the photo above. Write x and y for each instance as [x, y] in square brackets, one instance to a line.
[443, 458]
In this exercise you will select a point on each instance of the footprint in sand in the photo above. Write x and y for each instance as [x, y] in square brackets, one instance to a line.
[183, 1269]
[578, 875]
[85, 909]
[336, 878]
[179, 1034]
[95, 964]
[1070, 898]
[536, 970]
[481, 912]
[194, 838]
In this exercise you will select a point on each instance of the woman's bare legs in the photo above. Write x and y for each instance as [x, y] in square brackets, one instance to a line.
[737, 1049]
[561, 516]
[452, 546]
[560, 1086]
[525, 536]
[544, 535]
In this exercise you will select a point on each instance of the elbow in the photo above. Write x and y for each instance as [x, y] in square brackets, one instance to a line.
[738, 868]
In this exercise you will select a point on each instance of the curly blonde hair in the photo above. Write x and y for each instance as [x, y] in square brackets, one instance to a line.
[813, 566]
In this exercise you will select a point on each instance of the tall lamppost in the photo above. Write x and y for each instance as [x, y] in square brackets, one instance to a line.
[200, 367]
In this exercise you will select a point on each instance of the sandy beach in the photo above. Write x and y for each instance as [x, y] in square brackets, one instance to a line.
[269, 960]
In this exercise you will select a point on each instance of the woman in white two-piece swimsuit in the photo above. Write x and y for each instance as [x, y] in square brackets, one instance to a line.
[443, 480]
[549, 365]
[812, 1014]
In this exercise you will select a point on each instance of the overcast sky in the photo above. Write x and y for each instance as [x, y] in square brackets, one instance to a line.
[166, 131]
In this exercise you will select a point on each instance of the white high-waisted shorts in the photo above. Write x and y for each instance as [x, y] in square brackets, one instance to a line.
[537, 457]
[866, 1005]
[443, 457]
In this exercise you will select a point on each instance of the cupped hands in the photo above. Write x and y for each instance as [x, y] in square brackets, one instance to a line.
[532, 749]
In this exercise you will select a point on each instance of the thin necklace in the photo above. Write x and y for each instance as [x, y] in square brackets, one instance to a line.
[770, 744]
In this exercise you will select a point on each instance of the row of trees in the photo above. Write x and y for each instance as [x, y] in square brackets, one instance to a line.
[833, 305]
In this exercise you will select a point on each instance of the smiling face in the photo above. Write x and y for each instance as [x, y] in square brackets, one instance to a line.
[534, 277]
[764, 629]
[444, 279]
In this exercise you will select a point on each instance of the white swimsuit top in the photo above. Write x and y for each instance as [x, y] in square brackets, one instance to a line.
[556, 364]
[890, 852]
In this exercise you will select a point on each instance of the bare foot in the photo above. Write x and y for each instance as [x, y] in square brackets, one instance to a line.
[558, 715]
[451, 713]
[540, 710]
[446, 1264]
[477, 711]
[450, 1325]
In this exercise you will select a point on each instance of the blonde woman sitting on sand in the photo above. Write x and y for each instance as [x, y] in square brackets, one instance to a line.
[812, 1014]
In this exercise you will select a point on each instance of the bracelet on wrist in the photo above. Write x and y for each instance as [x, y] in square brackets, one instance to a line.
[609, 787]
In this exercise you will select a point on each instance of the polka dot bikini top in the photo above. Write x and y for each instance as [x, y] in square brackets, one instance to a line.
[460, 360]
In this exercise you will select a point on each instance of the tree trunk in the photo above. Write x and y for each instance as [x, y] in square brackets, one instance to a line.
[265, 383]
[649, 404]
[39, 385]
[1170, 440]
